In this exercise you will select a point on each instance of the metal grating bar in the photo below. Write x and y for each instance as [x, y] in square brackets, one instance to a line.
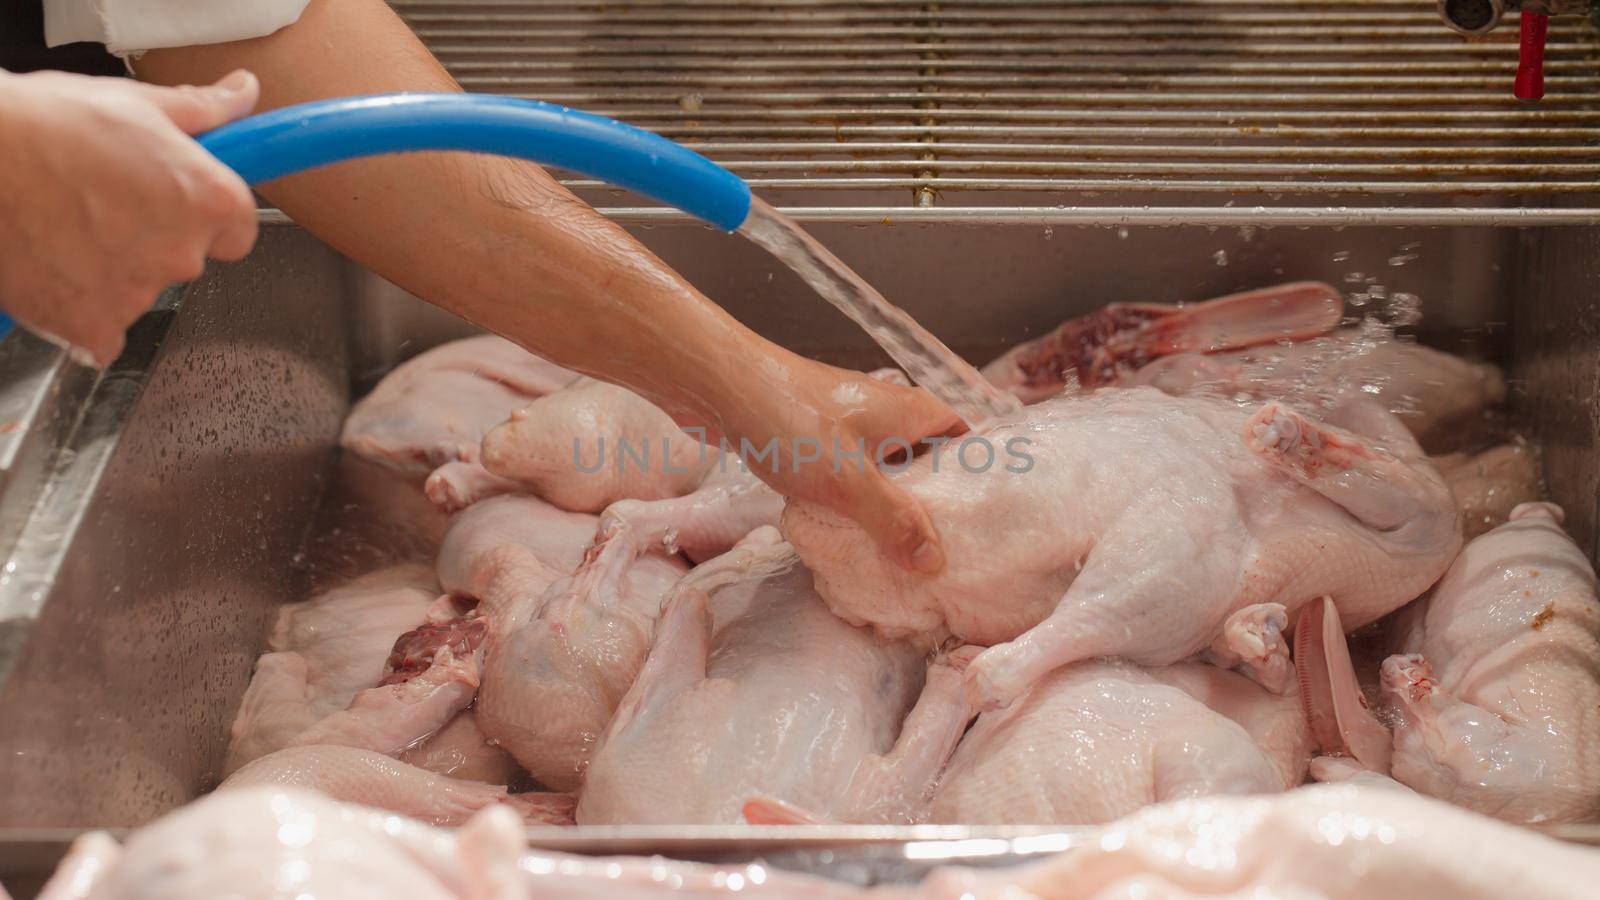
[988, 110]
[924, 195]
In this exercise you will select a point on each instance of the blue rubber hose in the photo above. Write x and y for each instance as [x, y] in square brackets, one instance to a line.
[296, 138]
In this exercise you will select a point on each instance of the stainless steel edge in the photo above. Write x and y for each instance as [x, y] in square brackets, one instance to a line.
[705, 841]
[41, 392]
[164, 540]
[1112, 216]
[862, 855]
[62, 488]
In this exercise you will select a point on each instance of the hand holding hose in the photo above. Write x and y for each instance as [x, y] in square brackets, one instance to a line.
[105, 201]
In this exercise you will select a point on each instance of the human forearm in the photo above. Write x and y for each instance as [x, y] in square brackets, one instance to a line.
[501, 244]
[496, 241]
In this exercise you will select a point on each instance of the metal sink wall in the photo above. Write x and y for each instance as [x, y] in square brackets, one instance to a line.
[164, 535]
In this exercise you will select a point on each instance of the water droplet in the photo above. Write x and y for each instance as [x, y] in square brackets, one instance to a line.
[1405, 308]
[1221, 257]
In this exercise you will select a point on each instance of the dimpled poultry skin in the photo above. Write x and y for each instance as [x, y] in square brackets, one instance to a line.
[1144, 522]
[1499, 694]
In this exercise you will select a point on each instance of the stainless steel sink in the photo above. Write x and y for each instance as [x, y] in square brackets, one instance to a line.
[134, 599]
[151, 517]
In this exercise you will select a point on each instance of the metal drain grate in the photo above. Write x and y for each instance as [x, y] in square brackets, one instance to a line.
[1221, 111]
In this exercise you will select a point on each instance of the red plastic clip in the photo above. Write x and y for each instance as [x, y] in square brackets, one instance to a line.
[1530, 63]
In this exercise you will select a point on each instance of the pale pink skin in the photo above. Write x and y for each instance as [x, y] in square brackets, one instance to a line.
[372, 779]
[700, 501]
[345, 633]
[323, 652]
[1093, 349]
[455, 486]
[255, 843]
[276, 708]
[1098, 740]
[1431, 392]
[461, 750]
[1489, 485]
[727, 505]
[1145, 522]
[753, 688]
[1499, 690]
[265, 843]
[730, 503]
[436, 407]
[566, 636]
[1336, 842]
[393, 718]
[1332, 842]
[348, 634]
[514, 525]
[535, 448]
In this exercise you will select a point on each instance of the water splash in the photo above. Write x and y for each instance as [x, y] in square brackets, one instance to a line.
[924, 358]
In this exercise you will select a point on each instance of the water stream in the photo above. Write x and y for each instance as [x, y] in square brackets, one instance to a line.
[925, 359]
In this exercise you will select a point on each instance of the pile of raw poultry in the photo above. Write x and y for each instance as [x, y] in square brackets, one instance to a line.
[1253, 547]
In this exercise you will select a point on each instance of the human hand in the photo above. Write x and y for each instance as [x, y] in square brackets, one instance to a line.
[105, 200]
[819, 418]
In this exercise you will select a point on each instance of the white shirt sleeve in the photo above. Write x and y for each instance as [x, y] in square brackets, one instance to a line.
[130, 27]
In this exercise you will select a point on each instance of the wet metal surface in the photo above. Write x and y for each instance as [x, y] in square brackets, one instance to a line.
[139, 598]
[163, 541]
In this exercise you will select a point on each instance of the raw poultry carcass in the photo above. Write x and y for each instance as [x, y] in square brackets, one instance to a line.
[461, 750]
[730, 503]
[753, 688]
[558, 663]
[1329, 842]
[345, 634]
[437, 406]
[373, 779]
[1498, 693]
[430, 677]
[259, 843]
[567, 629]
[671, 488]
[1098, 740]
[1489, 485]
[1098, 348]
[1275, 343]
[417, 706]
[1139, 524]
[724, 508]
[1435, 394]
[580, 448]
[477, 551]
[323, 652]
[268, 843]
